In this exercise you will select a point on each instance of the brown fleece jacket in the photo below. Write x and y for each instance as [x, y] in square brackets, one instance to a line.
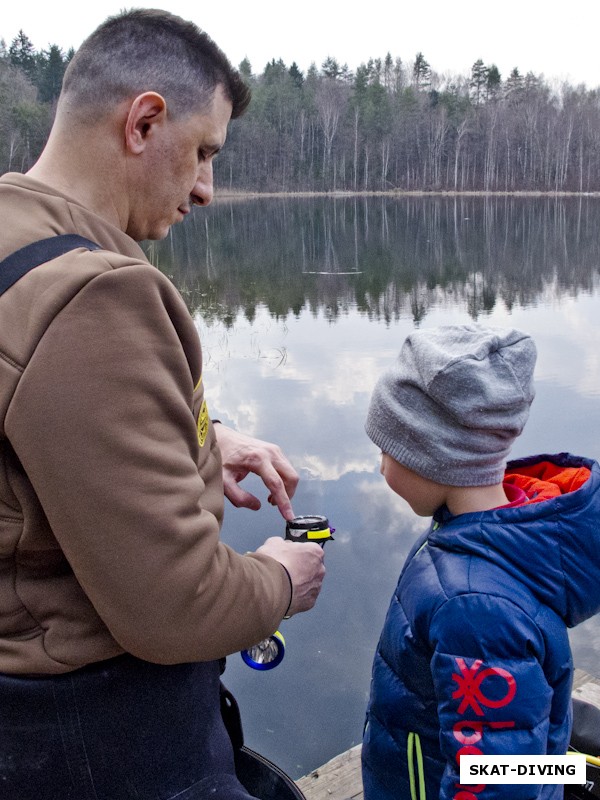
[111, 494]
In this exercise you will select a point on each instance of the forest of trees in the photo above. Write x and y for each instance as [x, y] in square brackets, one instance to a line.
[389, 125]
[30, 83]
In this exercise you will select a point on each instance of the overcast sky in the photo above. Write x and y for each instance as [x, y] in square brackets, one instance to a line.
[558, 40]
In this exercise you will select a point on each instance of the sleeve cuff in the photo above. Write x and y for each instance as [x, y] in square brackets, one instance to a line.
[285, 616]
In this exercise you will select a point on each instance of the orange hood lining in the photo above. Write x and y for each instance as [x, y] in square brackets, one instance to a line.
[545, 480]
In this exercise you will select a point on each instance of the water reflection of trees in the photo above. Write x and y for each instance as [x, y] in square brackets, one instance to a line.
[388, 257]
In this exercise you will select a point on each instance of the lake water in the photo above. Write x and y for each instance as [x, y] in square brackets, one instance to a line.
[300, 304]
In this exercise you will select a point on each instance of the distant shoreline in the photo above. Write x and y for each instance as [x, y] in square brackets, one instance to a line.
[240, 194]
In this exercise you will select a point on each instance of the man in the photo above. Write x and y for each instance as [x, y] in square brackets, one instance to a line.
[117, 598]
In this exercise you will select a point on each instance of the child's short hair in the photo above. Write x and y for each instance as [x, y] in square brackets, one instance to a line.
[454, 402]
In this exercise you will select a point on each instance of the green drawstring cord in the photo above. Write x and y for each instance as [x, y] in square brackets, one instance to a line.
[422, 794]
[411, 766]
[414, 744]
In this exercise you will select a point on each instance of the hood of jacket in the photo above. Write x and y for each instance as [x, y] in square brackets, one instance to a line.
[551, 544]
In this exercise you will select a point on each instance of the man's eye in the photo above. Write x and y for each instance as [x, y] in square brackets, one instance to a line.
[206, 155]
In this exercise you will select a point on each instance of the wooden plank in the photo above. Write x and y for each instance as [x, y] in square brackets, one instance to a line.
[586, 688]
[338, 779]
[580, 678]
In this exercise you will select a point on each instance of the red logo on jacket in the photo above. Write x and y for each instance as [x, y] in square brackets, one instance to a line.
[471, 694]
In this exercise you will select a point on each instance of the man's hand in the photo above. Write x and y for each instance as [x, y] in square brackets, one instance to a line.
[242, 454]
[304, 563]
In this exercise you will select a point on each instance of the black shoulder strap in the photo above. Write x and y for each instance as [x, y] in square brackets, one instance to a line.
[32, 255]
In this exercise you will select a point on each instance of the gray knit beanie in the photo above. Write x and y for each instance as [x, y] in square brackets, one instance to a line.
[454, 402]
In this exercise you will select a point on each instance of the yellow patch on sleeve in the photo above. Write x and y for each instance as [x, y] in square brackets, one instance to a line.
[203, 424]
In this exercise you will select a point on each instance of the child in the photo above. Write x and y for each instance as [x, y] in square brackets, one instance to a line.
[474, 655]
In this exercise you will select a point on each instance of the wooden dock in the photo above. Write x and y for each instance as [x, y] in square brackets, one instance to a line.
[340, 778]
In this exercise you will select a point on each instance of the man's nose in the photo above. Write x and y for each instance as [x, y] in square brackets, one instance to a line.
[202, 193]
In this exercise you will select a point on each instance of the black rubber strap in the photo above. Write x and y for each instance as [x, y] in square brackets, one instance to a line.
[32, 255]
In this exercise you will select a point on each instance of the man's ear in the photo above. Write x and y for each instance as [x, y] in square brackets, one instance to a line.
[146, 111]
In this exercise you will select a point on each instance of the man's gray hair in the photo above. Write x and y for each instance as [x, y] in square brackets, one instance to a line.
[151, 50]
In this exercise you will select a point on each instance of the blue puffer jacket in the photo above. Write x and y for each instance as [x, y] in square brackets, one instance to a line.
[474, 655]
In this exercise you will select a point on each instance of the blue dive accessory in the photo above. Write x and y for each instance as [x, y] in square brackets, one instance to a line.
[269, 653]
[266, 654]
